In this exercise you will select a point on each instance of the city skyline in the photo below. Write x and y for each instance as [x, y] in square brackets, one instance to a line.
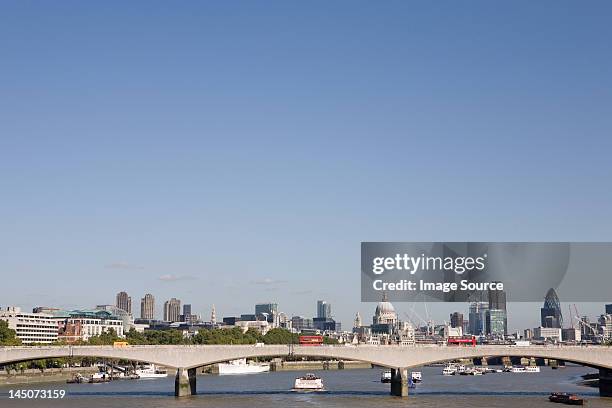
[173, 309]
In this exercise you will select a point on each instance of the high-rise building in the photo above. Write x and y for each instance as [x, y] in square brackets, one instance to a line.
[172, 310]
[497, 303]
[496, 322]
[608, 309]
[147, 307]
[478, 318]
[550, 313]
[124, 302]
[323, 309]
[213, 316]
[266, 311]
[186, 313]
[456, 320]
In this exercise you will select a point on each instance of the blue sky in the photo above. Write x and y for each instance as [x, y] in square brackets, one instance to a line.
[241, 152]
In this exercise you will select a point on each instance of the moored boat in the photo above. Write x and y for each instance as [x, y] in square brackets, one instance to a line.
[240, 366]
[385, 376]
[150, 371]
[450, 369]
[416, 377]
[565, 398]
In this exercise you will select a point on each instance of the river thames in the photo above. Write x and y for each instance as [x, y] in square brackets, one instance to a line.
[344, 388]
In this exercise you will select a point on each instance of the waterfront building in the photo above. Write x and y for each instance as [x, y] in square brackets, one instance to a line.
[323, 310]
[147, 307]
[547, 333]
[172, 310]
[550, 313]
[78, 325]
[497, 303]
[609, 309]
[40, 328]
[124, 302]
[456, 320]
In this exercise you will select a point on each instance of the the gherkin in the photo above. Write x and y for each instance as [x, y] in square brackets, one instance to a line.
[551, 312]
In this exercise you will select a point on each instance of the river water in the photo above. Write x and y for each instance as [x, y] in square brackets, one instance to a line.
[344, 388]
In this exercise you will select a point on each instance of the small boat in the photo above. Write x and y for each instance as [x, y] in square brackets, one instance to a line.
[150, 371]
[385, 376]
[528, 369]
[450, 369]
[100, 377]
[241, 366]
[309, 382]
[565, 398]
[416, 377]
[76, 379]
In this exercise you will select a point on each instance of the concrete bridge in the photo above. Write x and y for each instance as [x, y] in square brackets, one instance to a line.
[399, 358]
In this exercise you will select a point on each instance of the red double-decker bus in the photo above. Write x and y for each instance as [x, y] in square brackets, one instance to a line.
[311, 340]
[462, 341]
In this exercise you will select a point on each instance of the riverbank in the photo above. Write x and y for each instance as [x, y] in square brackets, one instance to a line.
[33, 376]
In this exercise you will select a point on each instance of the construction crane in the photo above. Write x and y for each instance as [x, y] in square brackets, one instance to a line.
[584, 324]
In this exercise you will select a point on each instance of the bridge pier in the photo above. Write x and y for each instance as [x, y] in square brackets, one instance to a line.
[185, 382]
[605, 382]
[399, 382]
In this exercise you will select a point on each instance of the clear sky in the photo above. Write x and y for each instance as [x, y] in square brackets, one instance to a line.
[237, 152]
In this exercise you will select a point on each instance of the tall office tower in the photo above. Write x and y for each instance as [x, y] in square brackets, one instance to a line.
[124, 302]
[550, 313]
[478, 318]
[608, 309]
[267, 311]
[172, 310]
[497, 315]
[323, 309]
[187, 313]
[456, 320]
[147, 307]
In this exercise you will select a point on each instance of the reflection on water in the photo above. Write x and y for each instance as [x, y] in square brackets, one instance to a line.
[354, 388]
